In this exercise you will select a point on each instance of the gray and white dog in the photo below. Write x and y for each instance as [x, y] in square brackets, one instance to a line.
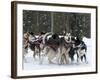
[57, 47]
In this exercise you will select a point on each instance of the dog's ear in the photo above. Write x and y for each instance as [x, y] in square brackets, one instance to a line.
[43, 32]
[55, 36]
[72, 38]
[31, 33]
[77, 38]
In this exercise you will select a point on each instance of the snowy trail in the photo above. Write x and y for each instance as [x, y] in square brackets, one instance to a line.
[34, 64]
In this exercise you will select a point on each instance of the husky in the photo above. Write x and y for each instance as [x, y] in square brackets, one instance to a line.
[56, 47]
[80, 49]
[34, 45]
[25, 45]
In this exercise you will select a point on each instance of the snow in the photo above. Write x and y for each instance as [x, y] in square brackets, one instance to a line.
[36, 64]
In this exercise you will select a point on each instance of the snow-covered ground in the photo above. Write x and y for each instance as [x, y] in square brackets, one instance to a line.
[35, 64]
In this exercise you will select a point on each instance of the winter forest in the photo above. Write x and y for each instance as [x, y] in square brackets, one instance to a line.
[78, 24]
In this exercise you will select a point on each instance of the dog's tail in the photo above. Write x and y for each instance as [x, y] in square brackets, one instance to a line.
[45, 37]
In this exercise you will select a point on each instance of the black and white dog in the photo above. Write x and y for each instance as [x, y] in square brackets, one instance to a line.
[79, 48]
